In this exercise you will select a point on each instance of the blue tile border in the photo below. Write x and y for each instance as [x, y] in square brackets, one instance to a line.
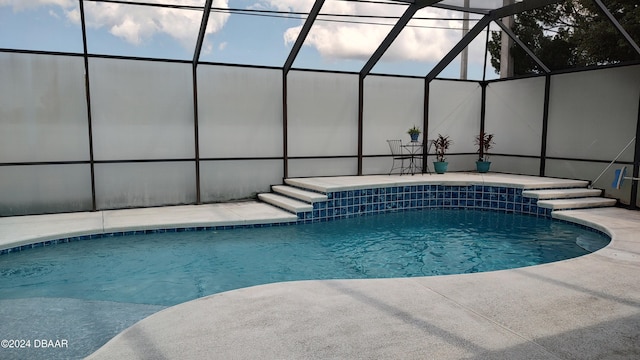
[369, 201]
[138, 232]
[351, 203]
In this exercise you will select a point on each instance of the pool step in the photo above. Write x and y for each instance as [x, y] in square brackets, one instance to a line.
[569, 193]
[299, 194]
[577, 203]
[285, 202]
[569, 198]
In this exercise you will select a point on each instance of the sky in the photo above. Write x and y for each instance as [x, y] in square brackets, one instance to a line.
[337, 42]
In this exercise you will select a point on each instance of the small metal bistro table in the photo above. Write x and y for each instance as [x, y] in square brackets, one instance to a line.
[414, 150]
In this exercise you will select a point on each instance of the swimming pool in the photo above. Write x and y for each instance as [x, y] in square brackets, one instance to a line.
[170, 268]
[132, 277]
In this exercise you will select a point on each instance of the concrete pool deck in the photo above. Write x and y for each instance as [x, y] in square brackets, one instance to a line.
[583, 308]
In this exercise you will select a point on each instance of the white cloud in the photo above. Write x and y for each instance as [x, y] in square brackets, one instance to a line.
[54, 14]
[20, 5]
[137, 24]
[339, 40]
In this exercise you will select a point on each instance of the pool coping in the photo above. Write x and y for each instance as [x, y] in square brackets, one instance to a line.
[23, 232]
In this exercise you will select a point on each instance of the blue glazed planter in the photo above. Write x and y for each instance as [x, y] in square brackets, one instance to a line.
[483, 166]
[440, 166]
[414, 137]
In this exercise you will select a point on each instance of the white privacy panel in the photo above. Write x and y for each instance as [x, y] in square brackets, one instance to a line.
[141, 109]
[593, 114]
[392, 105]
[123, 185]
[323, 167]
[454, 110]
[239, 111]
[514, 114]
[38, 189]
[377, 165]
[515, 165]
[322, 113]
[43, 111]
[238, 179]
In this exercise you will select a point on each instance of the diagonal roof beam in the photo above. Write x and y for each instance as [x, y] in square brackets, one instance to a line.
[504, 11]
[313, 14]
[203, 29]
[524, 47]
[466, 40]
[615, 23]
[393, 34]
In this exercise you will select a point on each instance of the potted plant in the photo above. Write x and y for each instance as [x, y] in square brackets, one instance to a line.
[414, 132]
[441, 144]
[484, 142]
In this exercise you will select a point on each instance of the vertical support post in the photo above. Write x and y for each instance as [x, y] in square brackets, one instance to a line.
[425, 126]
[483, 110]
[486, 50]
[636, 165]
[506, 43]
[464, 55]
[285, 136]
[196, 134]
[206, 11]
[545, 125]
[306, 27]
[88, 98]
[360, 120]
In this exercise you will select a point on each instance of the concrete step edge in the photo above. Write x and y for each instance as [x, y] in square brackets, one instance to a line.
[284, 202]
[299, 194]
[579, 203]
[549, 194]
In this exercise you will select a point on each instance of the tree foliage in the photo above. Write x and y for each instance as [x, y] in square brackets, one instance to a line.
[571, 33]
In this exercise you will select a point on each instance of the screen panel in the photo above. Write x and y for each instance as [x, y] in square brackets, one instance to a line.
[239, 112]
[322, 114]
[141, 110]
[593, 114]
[514, 114]
[323, 167]
[43, 108]
[454, 110]
[377, 165]
[238, 179]
[125, 185]
[392, 105]
[515, 165]
[39, 189]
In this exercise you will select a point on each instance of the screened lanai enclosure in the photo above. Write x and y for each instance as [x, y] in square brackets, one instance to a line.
[117, 104]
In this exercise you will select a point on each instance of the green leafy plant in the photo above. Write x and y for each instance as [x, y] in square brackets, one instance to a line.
[442, 143]
[484, 142]
[414, 131]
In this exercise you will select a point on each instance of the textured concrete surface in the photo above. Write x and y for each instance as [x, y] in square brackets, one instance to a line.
[583, 308]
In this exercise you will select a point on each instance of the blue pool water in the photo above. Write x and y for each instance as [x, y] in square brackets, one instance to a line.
[126, 278]
[170, 268]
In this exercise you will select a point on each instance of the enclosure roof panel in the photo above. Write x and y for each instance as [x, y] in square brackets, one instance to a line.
[346, 35]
